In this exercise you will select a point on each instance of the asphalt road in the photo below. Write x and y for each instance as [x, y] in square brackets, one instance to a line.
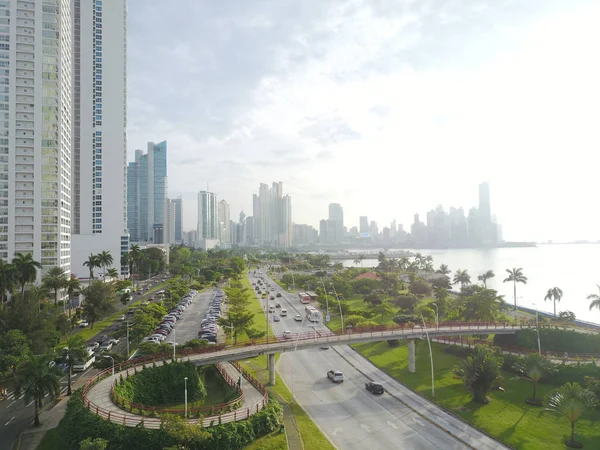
[352, 417]
[186, 328]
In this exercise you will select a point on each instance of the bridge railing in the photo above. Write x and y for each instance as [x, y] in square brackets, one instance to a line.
[193, 411]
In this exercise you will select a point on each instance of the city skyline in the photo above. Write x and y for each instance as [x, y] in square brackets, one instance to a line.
[383, 119]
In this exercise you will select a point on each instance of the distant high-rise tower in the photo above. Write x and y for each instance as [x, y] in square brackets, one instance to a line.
[99, 160]
[169, 214]
[224, 222]
[336, 213]
[147, 186]
[208, 222]
[178, 219]
[484, 201]
[363, 224]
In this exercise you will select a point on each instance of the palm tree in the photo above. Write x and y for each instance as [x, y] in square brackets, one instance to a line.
[25, 269]
[486, 276]
[55, 279]
[92, 263]
[462, 277]
[516, 276]
[7, 279]
[36, 379]
[74, 350]
[105, 260]
[595, 299]
[359, 259]
[571, 401]
[555, 295]
[403, 263]
[443, 269]
[73, 287]
[479, 371]
[112, 272]
[534, 367]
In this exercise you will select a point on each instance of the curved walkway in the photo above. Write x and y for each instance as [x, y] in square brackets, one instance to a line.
[98, 400]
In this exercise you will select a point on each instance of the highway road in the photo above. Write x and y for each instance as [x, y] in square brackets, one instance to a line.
[349, 415]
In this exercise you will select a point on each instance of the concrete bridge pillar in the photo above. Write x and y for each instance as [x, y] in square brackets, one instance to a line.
[271, 366]
[412, 368]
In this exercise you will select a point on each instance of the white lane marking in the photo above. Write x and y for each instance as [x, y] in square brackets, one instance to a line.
[12, 404]
[9, 421]
[27, 406]
[418, 422]
[365, 427]
[336, 431]
[393, 425]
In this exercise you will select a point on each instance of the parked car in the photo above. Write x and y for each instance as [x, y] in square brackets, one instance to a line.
[375, 388]
[83, 324]
[336, 376]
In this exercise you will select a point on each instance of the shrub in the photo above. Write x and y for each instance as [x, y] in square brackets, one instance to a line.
[393, 342]
[457, 350]
[559, 341]
[572, 373]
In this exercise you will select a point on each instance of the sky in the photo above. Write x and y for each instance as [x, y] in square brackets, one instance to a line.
[389, 107]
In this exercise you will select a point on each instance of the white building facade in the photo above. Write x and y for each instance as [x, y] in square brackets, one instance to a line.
[224, 223]
[35, 131]
[99, 169]
[208, 222]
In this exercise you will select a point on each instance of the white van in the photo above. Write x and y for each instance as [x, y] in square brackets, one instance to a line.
[283, 312]
[271, 309]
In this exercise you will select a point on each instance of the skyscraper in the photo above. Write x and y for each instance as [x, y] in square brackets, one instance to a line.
[337, 213]
[35, 127]
[264, 196]
[224, 222]
[147, 187]
[99, 159]
[484, 201]
[286, 225]
[208, 225]
[363, 224]
[169, 217]
[178, 219]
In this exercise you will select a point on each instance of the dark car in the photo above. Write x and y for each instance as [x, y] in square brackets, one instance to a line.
[375, 388]
[278, 294]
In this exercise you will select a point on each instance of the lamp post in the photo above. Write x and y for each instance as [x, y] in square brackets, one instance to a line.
[430, 357]
[174, 343]
[113, 368]
[185, 382]
[127, 339]
[537, 329]
[340, 306]
[437, 316]
[231, 328]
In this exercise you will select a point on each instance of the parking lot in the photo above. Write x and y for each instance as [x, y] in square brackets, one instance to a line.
[188, 324]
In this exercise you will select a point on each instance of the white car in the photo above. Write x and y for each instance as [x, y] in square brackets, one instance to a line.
[83, 324]
[287, 334]
[152, 339]
[298, 318]
[336, 376]
[160, 337]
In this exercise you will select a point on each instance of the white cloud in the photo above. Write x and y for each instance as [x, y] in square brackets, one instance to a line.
[389, 108]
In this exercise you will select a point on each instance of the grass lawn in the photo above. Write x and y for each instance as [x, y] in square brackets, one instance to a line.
[312, 437]
[506, 417]
[272, 441]
[52, 441]
[255, 307]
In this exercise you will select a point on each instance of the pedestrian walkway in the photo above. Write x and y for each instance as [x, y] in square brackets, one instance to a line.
[102, 404]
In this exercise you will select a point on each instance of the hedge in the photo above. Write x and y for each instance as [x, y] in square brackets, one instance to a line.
[552, 340]
[79, 424]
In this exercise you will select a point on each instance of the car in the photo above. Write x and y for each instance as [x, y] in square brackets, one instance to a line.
[122, 318]
[298, 318]
[324, 347]
[145, 303]
[160, 331]
[83, 324]
[93, 345]
[107, 346]
[276, 318]
[160, 337]
[375, 388]
[336, 376]
[278, 294]
[114, 341]
[102, 338]
[284, 312]
[287, 334]
[277, 305]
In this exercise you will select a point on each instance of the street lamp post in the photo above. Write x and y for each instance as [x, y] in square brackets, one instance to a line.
[185, 381]
[340, 306]
[430, 357]
[127, 339]
[537, 329]
[113, 368]
[437, 316]
[174, 343]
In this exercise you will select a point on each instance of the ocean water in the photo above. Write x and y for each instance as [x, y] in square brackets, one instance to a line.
[574, 268]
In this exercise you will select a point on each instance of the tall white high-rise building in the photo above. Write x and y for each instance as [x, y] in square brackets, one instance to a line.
[169, 214]
[208, 222]
[36, 58]
[224, 222]
[99, 131]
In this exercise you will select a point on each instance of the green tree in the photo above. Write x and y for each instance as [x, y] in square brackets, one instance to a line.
[461, 277]
[479, 371]
[533, 368]
[484, 305]
[443, 270]
[406, 302]
[73, 287]
[74, 350]
[595, 300]
[105, 260]
[63, 325]
[14, 347]
[134, 257]
[382, 309]
[92, 263]
[93, 444]
[55, 279]
[25, 269]
[554, 295]
[419, 287]
[98, 301]
[7, 280]
[36, 379]
[374, 298]
[359, 259]
[516, 276]
[486, 276]
[240, 319]
[113, 273]
[571, 401]
[142, 325]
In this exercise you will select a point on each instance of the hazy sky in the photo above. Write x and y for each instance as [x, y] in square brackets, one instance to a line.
[388, 107]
